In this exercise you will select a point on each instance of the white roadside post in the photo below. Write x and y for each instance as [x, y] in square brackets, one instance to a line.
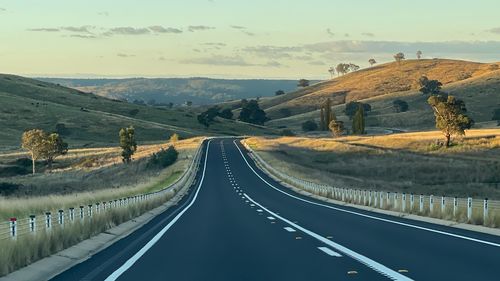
[375, 198]
[485, 210]
[381, 200]
[388, 200]
[104, 206]
[403, 203]
[370, 198]
[13, 228]
[455, 206]
[48, 221]
[412, 201]
[396, 201]
[32, 223]
[443, 204]
[61, 218]
[82, 213]
[89, 210]
[469, 208]
[421, 207]
[98, 207]
[431, 204]
[343, 194]
[71, 214]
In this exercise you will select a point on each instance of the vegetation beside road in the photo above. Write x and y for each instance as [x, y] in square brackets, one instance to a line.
[411, 163]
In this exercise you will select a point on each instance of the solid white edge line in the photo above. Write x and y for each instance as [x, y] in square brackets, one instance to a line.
[130, 262]
[378, 267]
[369, 216]
[329, 252]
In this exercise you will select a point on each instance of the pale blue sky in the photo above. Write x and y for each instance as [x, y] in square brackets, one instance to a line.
[233, 38]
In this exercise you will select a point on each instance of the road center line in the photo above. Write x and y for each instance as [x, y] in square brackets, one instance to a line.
[330, 252]
[380, 268]
[364, 215]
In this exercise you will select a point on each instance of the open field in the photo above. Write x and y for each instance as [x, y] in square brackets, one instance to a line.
[90, 175]
[410, 163]
[477, 84]
[93, 121]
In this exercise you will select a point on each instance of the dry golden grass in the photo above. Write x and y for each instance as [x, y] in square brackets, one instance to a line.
[107, 179]
[376, 81]
[402, 162]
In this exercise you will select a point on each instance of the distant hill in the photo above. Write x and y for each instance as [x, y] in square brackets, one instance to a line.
[91, 120]
[478, 84]
[200, 91]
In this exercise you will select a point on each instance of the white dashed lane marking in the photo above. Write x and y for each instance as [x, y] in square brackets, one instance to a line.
[330, 252]
[289, 229]
[270, 218]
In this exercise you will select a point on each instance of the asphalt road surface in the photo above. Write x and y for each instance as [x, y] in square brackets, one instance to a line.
[238, 224]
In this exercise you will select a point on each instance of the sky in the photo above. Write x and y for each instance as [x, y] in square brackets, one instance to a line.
[236, 38]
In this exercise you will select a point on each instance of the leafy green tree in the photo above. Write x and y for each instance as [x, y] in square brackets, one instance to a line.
[279, 93]
[189, 103]
[55, 147]
[309, 126]
[450, 115]
[352, 107]
[342, 68]
[353, 67]
[251, 113]
[358, 122]
[127, 143]
[35, 141]
[428, 86]
[419, 54]
[337, 128]
[226, 113]
[207, 117]
[372, 62]
[303, 83]
[164, 158]
[399, 57]
[400, 106]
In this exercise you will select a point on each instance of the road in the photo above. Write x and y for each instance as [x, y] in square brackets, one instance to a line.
[239, 224]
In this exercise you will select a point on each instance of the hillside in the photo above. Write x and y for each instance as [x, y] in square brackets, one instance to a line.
[91, 120]
[476, 83]
[200, 91]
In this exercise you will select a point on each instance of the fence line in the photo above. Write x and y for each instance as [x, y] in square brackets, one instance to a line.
[36, 224]
[467, 210]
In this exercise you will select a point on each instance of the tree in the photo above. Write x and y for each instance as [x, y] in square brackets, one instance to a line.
[352, 107]
[428, 86]
[372, 62]
[35, 141]
[342, 68]
[400, 106]
[207, 117]
[61, 129]
[496, 116]
[419, 54]
[189, 103]
[164, 158]
[336, 127]
[303, 83]
[327, 114]
[227, 113]
[279, 93]
[358, 122]
[450, 116]
[399, 57]
[55, 146]
[287, 133]
[309, 126]
[331, 70]
[251, 113]
[353, 67]
[127, 143]
[170, 105]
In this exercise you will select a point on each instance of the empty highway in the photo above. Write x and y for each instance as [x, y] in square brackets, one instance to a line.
[236, 223]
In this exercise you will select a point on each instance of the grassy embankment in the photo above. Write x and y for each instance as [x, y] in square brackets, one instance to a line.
[30, 248]
[410, 163]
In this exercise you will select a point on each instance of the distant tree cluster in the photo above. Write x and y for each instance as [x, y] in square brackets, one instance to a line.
[207, 117]
[252, 113]
[303, 83]
[352, 107]
[164, 158]
[279, 93]
[428, 86]
[372, 62]
[344, 68]
[43, 145]
[400, 106]
[309, 126]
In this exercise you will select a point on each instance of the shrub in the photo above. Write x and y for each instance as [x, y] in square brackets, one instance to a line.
[133, 112]
[309, 126]
[164, 158]
[287, 133]
[7, 188]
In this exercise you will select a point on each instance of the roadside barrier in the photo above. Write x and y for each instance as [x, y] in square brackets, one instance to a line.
[466, 210]
[38, 223]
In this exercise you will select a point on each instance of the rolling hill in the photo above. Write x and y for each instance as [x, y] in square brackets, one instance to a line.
[200, 91]
[90, 120]
[478, 84]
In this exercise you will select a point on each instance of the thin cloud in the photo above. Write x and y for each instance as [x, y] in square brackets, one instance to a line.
[495, 30]
[2, 10]
[162, 59]
[248, 33]
[161, 29]
[44, 29]
[330, 32]
[368, 34]
[78, 29]
[83, 36]
[104, 14]
[218, 60]
[215, 44]
[317, 62]
[273, 63]
[122, 55]
[127, 31]
[272, 52]
[193, 28]
[238, 27]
